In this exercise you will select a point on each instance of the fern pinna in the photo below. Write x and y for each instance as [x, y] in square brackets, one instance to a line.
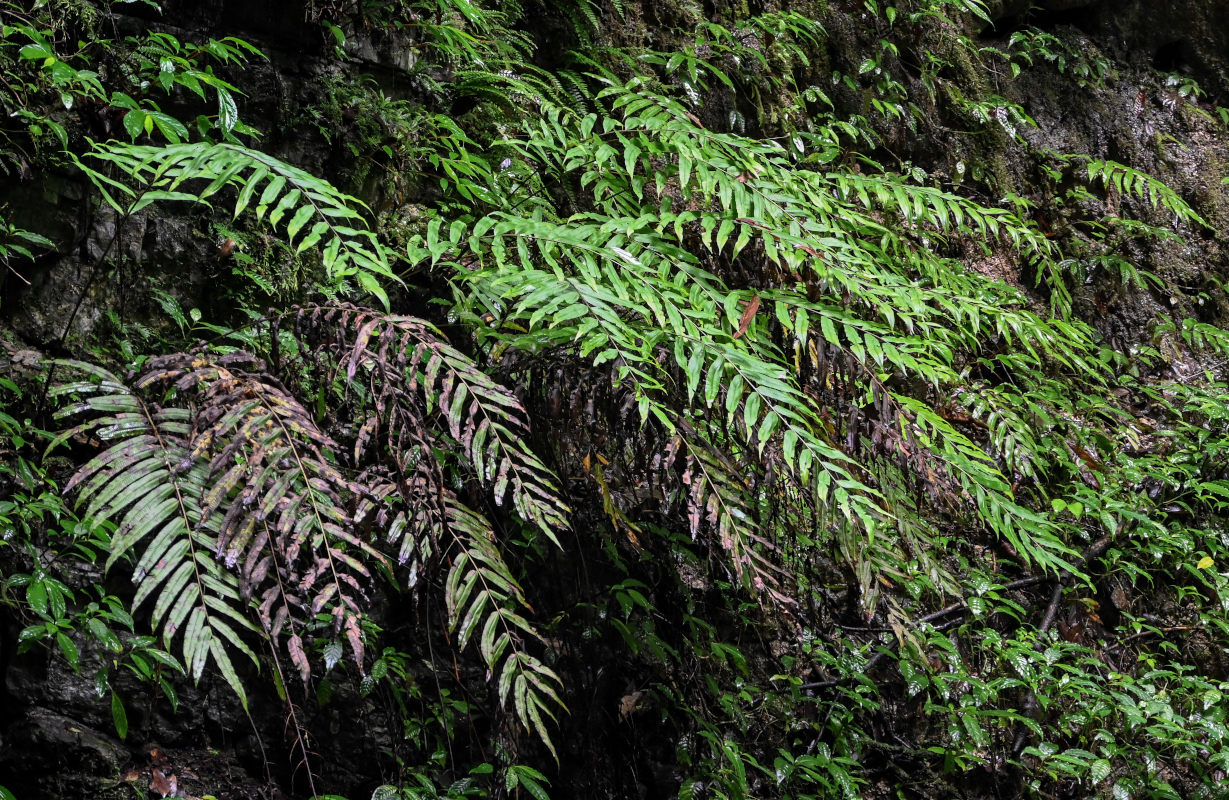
[245, 514]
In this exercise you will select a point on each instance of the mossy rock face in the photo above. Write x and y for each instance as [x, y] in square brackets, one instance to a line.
[49, 756]
[998, 9]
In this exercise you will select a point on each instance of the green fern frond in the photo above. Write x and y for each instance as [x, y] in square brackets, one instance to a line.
[480, 591]
[149, 482]
[307, 210]
[246, 499]
[405, 381]
[853, 286]
[1132, 182]
[583, 18]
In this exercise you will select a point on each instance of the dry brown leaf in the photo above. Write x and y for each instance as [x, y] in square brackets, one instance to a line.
[165, 785]
[630, 704]
[749, 310]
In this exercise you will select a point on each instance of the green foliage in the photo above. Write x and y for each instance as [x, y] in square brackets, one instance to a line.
[845, 371]
[826, 467]
[158, 60]
[312, 211]
[1132, 182]
[17, 244]
[443, 32]
[53, 614]
[619, 287]
[1031, 46]
[152, 484]
[236, 506]
[163, 61]
[478, 592]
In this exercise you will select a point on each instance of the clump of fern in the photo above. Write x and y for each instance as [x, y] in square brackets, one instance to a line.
[249, 518]
[766, 350]
[765, 313]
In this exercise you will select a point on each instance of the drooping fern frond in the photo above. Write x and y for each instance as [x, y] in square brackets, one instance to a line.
[717, 497]
[408, 373]
[150, 483]
[748, 377]
[479, 592]
[288, 518]
[584, 18]
[285, 508]
[411, 390]
[307, 210]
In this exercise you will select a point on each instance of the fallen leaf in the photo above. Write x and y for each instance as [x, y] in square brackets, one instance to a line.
[630, 704]
[164, 785]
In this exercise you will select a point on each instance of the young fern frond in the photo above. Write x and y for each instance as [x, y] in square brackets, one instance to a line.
[307, 210]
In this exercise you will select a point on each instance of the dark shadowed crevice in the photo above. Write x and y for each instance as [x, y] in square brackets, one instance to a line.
[1171, 56]
[1084, 18]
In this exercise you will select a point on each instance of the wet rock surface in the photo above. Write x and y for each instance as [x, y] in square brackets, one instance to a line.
[52, 755]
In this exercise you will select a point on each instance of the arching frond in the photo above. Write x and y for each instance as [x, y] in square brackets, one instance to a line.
[409, 375]
[284, 507]
[304, 208]
[149, 481]
[1133, 182]
[256, 510]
